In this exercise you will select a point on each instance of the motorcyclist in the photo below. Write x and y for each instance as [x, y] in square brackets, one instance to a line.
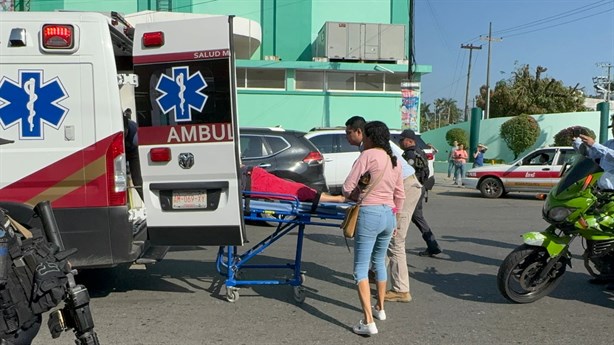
[603, 154]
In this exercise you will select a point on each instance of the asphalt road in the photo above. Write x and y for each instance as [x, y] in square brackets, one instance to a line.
[455, 299]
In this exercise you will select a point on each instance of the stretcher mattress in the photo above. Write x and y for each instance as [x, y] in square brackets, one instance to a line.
[296, 208]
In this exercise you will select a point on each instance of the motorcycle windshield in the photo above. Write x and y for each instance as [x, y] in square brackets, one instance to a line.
[580, 168]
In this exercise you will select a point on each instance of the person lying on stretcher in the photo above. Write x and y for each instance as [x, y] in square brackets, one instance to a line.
[256, 179]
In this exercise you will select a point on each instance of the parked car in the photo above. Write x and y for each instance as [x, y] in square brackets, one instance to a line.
[284, 153]
[538, 171]
[339, 155]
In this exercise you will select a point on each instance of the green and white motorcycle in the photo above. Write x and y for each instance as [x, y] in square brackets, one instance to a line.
[575, 208]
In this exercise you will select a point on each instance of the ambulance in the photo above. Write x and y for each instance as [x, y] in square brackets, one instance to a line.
[66, 79]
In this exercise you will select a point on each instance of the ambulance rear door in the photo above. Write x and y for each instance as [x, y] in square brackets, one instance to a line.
[188, 131]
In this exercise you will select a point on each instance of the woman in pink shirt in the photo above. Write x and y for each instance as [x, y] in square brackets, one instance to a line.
[460, 159]
[376, 218]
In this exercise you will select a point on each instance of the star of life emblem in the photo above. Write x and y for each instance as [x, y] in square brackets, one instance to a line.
[31, 102]
[181, 93]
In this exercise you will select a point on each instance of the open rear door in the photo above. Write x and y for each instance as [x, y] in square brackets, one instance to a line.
[188, 141]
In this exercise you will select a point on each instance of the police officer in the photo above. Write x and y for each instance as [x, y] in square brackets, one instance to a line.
[408, 144]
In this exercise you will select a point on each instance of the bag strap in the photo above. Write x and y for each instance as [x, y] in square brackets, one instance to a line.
[371, 186]
[25, 232]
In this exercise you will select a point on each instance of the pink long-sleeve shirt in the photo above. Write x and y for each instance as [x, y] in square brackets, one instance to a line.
[388, 191]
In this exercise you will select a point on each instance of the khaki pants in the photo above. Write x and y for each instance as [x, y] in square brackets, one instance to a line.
[399, 276]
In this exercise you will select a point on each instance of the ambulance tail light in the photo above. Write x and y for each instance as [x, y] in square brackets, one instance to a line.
[57, 36]
[160, 154]
[313, 157]
[153, 39]
[116, 172]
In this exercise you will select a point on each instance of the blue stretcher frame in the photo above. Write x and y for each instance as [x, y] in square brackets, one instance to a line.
[290, 214]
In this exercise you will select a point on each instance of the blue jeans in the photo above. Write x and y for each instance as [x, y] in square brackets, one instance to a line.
[373, 233]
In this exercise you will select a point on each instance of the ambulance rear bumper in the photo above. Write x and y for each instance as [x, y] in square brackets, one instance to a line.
[102, 235]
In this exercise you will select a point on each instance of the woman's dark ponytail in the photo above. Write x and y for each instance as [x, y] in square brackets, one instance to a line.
[379, 134]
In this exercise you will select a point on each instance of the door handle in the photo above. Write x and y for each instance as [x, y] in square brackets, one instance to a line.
[546, 169]
[264, 165]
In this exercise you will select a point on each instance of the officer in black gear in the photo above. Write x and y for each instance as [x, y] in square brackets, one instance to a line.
[412, 154]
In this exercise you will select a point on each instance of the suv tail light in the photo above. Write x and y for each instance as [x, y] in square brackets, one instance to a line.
[430, 156]
[314, 157]
[116, 172]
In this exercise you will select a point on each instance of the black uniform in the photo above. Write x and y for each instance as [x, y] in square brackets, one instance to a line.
[418, 217]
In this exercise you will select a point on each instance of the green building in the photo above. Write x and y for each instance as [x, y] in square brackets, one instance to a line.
[294, 79]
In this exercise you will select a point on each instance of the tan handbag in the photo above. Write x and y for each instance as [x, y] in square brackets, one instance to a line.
[351, 213]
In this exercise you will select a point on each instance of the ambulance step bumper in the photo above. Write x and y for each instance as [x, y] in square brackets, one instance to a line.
[153, 254]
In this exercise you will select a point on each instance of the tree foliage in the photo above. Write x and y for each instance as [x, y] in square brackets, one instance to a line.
[520, 133]
[427, 117]
[565, 136]
[457, 134]
[527, 93]
[447, 111]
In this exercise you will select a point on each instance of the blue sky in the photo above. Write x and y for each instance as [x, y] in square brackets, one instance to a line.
[569, 37]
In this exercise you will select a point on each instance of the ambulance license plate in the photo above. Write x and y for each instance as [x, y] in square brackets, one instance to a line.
[189, 199]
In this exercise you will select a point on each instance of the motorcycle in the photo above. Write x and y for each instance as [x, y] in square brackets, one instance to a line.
[575, 208]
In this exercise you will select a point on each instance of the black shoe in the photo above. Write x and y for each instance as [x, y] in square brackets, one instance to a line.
[429, 252]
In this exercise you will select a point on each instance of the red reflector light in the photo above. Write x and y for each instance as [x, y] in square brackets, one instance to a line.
[160, 154]
[313, 157]
[430, 156]
[58, 36]
[153, 39]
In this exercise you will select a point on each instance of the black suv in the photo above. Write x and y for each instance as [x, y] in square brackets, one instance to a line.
[284, 153]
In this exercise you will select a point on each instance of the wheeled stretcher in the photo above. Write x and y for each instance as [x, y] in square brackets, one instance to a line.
[289, 214]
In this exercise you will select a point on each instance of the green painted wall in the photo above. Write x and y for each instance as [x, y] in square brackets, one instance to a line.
[550, 125]
[293, 30]
[303, 111]
[49, 5]
[81, 5]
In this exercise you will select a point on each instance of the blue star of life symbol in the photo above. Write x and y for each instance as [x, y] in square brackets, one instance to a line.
[31, 102]
[181, 93]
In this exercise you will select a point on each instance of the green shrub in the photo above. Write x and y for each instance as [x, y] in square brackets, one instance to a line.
[519, 133]
[565, 136]
[457, 134]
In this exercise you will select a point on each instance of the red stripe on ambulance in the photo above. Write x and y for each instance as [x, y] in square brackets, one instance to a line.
[184, 134]
[186, 56]
[36, 184]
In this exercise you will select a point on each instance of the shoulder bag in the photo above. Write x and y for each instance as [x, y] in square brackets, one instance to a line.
[351, 213]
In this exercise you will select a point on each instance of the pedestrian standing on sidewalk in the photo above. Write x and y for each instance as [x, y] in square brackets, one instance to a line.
[453, 148]
[412, 154]
[478, 156]
[460, 159]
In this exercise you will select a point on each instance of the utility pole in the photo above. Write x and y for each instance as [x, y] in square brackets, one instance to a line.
[607, 80]
[471, 48]
[489, 39]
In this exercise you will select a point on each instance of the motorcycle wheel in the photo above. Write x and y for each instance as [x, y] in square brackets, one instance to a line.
[518, 277]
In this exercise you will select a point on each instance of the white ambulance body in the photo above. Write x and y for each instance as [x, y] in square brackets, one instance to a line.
[65, 80]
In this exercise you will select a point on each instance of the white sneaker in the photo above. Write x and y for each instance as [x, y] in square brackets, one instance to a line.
[378, 314]
[362, 329]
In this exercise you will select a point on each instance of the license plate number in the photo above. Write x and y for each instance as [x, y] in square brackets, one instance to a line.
[189, 199]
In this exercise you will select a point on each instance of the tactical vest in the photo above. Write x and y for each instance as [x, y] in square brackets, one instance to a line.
[34, 277]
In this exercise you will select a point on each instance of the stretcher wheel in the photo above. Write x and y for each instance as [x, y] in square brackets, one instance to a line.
[232, 294]
[302, 278]
[299, 294]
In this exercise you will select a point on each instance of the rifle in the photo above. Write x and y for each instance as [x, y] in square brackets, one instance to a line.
[76, 313]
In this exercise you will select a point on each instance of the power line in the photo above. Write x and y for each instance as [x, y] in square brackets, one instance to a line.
[555, 25]
[556, 16]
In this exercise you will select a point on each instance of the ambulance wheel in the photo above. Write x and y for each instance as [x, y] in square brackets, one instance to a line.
[299, 294]
[232, 294]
